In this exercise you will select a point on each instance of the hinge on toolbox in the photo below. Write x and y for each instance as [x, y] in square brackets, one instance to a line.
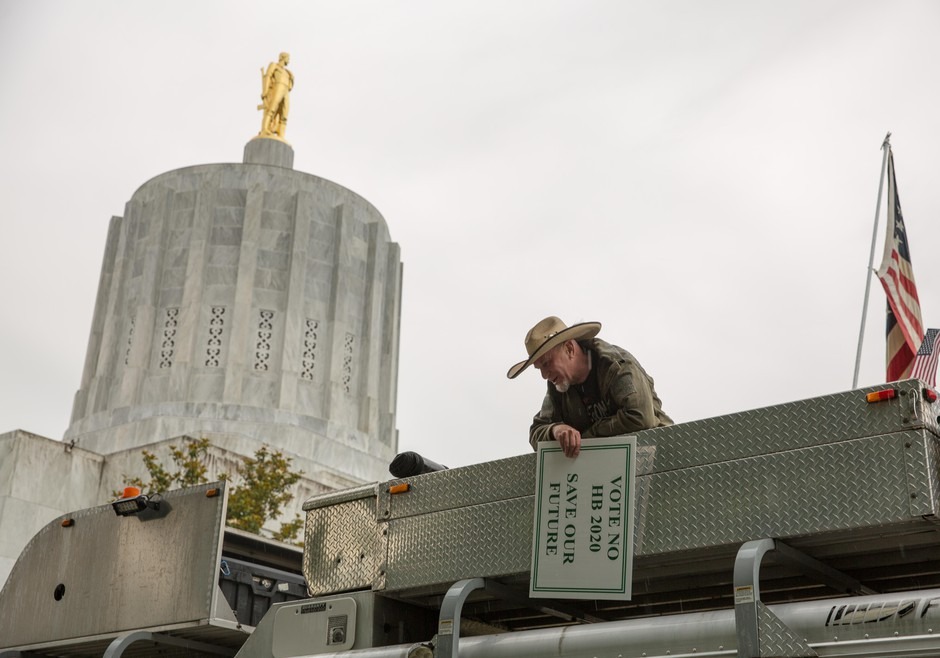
[910, 403]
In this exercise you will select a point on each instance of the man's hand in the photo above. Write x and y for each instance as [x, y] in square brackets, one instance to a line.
[568, 438]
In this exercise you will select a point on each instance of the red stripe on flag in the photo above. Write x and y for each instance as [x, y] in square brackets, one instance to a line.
[900, 275]
[907, 317]
[897, 278]
[899, 366]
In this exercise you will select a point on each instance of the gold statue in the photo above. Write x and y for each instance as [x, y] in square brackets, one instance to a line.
[276, 84]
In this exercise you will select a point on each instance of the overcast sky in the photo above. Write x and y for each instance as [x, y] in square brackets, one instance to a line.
[700, 177]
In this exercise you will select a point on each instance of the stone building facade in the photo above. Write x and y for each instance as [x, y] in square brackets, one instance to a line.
[247, 303]
[247, 300]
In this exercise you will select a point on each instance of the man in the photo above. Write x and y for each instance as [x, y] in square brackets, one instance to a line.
[276, 84]
[594, 388]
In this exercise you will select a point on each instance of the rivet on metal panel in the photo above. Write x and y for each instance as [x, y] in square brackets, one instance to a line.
[907, 445]
[913, 495]
[59, 592]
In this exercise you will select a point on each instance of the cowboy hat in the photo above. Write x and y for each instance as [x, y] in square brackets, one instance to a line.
[549, 333]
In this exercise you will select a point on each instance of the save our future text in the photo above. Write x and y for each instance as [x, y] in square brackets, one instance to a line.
[562, 528]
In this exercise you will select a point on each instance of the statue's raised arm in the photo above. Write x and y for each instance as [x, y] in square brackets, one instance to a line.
[276, 83]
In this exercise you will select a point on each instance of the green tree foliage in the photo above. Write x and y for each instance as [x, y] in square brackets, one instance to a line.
[259, 488]
[262, 491]
[190, 470]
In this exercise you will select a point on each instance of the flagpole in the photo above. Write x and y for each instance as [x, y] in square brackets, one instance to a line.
[886, 147]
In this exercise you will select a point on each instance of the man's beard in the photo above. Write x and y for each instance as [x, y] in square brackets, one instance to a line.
[562, 386]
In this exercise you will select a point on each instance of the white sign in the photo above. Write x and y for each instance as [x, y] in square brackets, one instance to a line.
[582, 545]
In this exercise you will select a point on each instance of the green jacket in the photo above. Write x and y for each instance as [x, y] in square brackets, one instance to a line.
[617, 398]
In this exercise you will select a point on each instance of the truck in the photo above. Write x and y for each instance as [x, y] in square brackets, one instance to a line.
[808, 528]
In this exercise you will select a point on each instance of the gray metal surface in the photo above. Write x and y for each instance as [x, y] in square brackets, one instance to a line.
[931, 418]
[122, 645]
[460, 488]
[922, 464]
[759, 631]
[347, 548]
[858, 483]
[827, 487]
[776, 639]
[790, 426]
[88, 647]
[883, 626]
[342, 496]
[477, 484]
[494, 538]
[378, 621]
[105, 575]
[855, 481]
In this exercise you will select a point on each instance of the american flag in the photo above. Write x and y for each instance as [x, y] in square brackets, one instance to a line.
[925, 361]
[904, 327]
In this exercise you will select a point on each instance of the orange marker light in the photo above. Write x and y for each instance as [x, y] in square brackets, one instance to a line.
[131, 492]
[879, 396]
[930, 395]
[212, 493]
[399, 488]
[68, 523]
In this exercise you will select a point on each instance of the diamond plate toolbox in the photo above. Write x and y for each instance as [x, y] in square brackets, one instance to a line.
[799, 469]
